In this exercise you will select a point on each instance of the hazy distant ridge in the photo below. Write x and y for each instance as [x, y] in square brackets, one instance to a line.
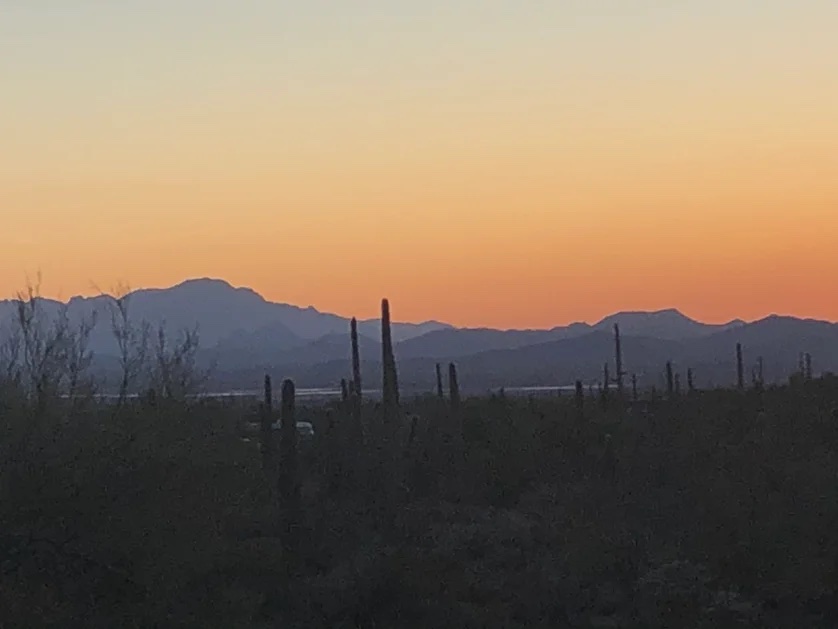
[244, 335]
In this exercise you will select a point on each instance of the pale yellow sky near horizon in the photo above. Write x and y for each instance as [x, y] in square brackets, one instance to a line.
[483, 163]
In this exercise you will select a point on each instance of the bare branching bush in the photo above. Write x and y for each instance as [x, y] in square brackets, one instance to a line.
[174, 371]
[46, 353]
[45, 373]
[42, 346]
[78, 358]
[132, 340]
[9, 354]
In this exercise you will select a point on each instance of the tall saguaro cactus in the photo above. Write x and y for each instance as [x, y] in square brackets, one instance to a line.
[266, 425]
[356, 356]
[618, 359]
[634, 387]
[807, 364]
[454, 415]
[288, 485]
[690, 381]
[606, 379]
[740, 368]
[356, 425]
[390, 383]
[454, 387]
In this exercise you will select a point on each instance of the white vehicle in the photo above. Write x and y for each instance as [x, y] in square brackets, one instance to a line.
[305, 430]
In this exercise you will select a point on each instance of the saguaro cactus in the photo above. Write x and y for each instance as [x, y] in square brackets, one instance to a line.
[344, 390]
[453, 387]
[288, 485]
[356, 425]
[266, 425]
[439, 392]
[740, 368]
[807, 357]
[690, 381]
[618, 358]
[356, 356]
[390, 384]
[634, 387]
[605, 383]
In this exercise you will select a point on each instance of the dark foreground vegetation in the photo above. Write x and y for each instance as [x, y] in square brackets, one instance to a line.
[693, 509]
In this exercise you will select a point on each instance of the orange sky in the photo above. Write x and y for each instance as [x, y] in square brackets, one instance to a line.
[539, 166]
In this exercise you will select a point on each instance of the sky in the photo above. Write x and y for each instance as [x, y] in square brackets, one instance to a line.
[512, 163]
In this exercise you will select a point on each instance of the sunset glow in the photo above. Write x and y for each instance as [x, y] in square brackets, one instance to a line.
[512, 164]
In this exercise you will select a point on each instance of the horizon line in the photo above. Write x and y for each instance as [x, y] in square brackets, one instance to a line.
[98, 293]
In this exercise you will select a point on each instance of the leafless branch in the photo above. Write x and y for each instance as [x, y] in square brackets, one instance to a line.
[175, 374]
[132, 341]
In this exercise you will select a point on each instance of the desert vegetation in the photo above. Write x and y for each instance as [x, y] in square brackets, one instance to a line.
[607, 508]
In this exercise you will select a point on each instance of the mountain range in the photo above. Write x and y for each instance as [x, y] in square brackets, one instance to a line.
[244, 335]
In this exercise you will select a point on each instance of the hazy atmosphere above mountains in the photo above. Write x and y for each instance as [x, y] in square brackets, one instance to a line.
[243, 336]
[483, 162]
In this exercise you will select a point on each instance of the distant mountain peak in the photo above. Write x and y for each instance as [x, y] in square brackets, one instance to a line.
[663, 312]
[204, 281]
[210, 286]
[791, 319]
[672, 314]
[667, 323]
[209, 283]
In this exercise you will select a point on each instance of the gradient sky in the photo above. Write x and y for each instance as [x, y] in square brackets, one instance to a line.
[484, 162]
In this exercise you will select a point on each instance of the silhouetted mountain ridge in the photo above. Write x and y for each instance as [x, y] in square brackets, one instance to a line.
[238, 318]
[243, 333]
[663, 324]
